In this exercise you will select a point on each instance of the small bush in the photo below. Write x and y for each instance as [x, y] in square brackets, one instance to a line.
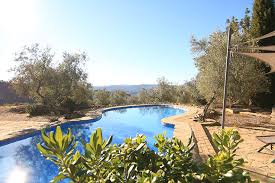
[36, 110]
[68, 106]
[18, 109]
[224, 167]
[74, 115]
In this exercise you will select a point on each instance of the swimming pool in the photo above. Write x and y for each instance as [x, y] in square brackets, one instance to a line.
[20, 160]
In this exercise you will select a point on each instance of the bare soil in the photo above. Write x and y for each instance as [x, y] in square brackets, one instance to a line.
[14, 121]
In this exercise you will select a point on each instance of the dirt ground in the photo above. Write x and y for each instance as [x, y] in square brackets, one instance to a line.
[14, 121]
[249, 121]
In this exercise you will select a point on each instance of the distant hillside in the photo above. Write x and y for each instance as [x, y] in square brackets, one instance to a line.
[131, 89]
[7, 95]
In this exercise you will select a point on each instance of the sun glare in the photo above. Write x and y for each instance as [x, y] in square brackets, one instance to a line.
[18, 175]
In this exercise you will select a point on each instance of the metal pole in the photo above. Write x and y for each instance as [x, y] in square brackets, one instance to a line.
[226, 75]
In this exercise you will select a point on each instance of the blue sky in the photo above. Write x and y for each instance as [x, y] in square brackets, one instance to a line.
[128, 41]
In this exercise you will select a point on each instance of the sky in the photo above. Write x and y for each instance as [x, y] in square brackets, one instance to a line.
[127, 41]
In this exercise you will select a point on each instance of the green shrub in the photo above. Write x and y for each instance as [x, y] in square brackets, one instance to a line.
[74, 115]
[227, 141]
[68, 106]
[133, 161]
[223, 167]
[36, 110]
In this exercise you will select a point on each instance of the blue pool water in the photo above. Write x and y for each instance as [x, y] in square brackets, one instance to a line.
[20, 161]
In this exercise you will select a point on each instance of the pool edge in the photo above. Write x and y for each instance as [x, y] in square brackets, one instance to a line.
[86, 119]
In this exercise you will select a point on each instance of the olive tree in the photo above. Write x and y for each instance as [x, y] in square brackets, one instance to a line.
[60, 86]
[147, 96]
[246, 78]
[119, 97]
[188, 93]
[102, 97]
[33, 73]
[165, 91]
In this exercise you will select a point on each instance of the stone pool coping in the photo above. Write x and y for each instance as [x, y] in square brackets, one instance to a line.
[91, 116]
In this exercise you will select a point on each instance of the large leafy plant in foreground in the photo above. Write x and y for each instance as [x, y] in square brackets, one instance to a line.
[224, 167]
[133, 161]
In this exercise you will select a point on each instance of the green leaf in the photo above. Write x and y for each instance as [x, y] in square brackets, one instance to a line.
[130, 171]
[89, 149]
[76, 157]
[58, 136]
[98, 150]
[45, 138]
[58, 178]
[216, 138]
[52, 139]
[140, 146]
[99, 136]
[109, 141]
[42, 149]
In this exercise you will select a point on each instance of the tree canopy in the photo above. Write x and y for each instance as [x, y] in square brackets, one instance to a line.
[263, 22]
[263, 19]
[246, 78]
[58, 87]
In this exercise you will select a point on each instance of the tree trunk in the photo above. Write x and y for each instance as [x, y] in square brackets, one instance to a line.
[206, 107]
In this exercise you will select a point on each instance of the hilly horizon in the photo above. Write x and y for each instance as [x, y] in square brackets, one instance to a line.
[8, 95]
[131, 89]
